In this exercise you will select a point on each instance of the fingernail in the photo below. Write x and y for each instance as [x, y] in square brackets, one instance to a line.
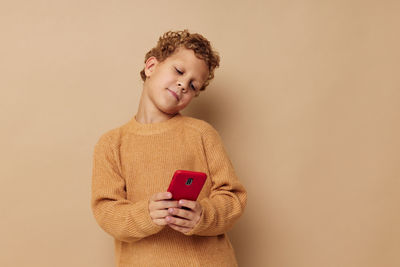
[169, 194]
[170, 210]
[181, 202]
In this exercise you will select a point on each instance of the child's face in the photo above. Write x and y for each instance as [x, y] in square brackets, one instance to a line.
[171, 85]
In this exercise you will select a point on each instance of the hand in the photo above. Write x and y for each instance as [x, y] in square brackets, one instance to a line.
[158, 207]
[184, 220]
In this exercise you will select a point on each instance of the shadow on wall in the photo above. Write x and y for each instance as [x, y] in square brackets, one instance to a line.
[215, 105]
[218, 106]
[207, 106]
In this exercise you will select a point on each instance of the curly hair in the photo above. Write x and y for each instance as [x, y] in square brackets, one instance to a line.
[170, 41]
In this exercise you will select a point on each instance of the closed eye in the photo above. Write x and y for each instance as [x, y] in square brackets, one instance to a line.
[180, 72]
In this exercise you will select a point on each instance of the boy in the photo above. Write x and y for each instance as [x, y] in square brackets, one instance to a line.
[133, 166]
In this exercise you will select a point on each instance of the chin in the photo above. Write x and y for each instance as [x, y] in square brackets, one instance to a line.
[168, 108]
[169, 111]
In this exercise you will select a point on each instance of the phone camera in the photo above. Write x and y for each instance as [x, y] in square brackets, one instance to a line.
[189, 181]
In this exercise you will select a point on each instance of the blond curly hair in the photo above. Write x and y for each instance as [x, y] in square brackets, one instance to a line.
[171, 40]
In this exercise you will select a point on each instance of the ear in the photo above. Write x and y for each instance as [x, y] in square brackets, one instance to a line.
[150, 65]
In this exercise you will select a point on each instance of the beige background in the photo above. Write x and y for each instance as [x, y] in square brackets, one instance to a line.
[306, 100]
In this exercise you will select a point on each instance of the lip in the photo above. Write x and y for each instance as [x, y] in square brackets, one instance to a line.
[174, 94]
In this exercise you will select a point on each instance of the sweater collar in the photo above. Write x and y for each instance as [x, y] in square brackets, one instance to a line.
[154, 128]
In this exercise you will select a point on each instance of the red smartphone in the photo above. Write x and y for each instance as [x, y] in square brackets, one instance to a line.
[186, 184]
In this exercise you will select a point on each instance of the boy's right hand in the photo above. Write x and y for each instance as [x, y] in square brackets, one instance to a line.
[159, 204]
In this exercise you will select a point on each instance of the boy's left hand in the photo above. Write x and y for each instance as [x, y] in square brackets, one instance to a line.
[184, 220]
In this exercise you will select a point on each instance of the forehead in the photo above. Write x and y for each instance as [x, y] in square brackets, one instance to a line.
[189, 61]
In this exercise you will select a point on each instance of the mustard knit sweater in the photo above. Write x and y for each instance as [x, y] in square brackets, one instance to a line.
[134, 161]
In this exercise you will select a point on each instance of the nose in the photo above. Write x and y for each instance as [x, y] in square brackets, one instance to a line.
[183, 88]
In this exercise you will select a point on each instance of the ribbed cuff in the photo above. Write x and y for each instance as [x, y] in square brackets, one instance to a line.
[144, 220]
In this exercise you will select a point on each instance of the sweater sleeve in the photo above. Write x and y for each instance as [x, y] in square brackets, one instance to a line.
[228, 197]
[121, 218]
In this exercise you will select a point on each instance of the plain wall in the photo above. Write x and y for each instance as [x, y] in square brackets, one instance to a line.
[307, 100]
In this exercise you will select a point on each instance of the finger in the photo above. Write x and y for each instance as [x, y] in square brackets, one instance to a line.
[193, 205]
[186, 214]
[161, 196]
[179, 228]
[158, 214]
[160, 222]
[164, 204]
[178, 221]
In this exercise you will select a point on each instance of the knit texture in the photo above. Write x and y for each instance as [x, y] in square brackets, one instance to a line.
[134, 161]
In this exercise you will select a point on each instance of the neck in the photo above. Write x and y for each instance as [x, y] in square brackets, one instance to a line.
[148, 113]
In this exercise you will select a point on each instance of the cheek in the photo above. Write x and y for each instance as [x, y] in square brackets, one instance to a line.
[167, 78]
[164, 78]
[187, 99]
